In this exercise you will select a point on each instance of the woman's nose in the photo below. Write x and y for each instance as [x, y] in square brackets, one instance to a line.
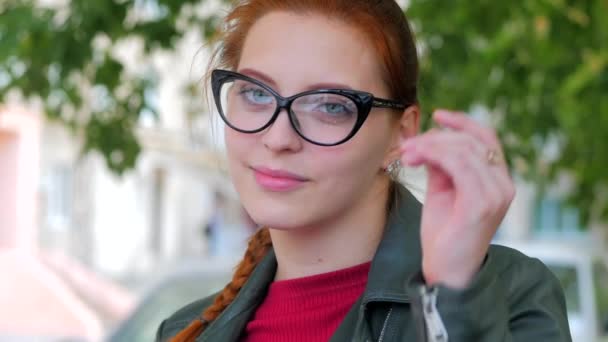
[281, 135]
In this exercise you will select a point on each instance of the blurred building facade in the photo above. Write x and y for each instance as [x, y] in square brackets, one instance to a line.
[85, 240]
[131, 223]
[156, 214]
[80, 242]
[30, 286]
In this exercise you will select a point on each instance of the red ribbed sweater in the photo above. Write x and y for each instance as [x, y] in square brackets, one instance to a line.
[308, 309]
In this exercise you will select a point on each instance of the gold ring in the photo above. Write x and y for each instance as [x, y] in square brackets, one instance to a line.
[493, 158]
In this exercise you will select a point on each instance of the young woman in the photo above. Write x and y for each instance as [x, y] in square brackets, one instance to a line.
[319, 98]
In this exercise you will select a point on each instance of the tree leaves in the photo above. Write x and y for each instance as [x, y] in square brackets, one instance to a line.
[541, 66]
[50, 54]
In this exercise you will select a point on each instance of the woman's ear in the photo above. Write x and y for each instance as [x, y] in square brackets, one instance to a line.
[409, 125]
[410, 122]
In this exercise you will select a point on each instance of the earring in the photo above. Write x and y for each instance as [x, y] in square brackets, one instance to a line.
[394, 169]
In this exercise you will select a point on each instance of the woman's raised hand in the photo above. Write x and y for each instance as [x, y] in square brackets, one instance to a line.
[469, 192]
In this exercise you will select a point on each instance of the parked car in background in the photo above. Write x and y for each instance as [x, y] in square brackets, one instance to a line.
[583, 274]
[179, 288]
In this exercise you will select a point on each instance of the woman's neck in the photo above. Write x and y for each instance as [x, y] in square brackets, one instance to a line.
[348, 240]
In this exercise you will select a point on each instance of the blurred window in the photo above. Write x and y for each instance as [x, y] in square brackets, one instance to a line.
[568, 278]
[58, 186]
[159, 177]
[552, 215]
[600, 281]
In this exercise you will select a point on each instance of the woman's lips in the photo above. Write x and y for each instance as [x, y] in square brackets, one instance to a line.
[277, 180]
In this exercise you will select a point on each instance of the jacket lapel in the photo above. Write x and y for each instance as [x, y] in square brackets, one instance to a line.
[397, 259]
[399, 254]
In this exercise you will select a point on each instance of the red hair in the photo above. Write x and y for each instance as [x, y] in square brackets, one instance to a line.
[382, 22]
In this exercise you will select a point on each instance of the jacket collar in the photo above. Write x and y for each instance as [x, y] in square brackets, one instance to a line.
[397, 259]
[399, 254]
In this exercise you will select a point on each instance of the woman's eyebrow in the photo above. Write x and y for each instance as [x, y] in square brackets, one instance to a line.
[328, 85]
[269, 81]
[259, 76]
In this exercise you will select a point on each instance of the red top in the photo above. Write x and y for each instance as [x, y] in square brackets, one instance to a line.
[308, 309]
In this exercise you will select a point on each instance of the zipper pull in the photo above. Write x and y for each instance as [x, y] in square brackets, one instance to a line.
[435, 329]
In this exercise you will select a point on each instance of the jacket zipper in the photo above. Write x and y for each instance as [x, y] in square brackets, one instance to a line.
[435, 328]
[388, 316]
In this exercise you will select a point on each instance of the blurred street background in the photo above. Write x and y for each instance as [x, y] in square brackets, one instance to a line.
[115, 205]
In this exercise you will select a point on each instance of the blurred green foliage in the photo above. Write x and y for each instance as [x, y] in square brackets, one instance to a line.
[49, 53]
[540, 66]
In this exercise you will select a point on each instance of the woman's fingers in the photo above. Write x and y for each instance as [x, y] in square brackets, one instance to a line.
[463, 159]
[468, 195]
[457, 154]
[487, 136]
[461, 122]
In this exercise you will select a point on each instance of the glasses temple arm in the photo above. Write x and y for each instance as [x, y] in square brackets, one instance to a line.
[384, 103]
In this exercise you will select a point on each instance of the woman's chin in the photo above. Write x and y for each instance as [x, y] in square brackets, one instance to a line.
[284, 219]
[278, 223]
[278, 213]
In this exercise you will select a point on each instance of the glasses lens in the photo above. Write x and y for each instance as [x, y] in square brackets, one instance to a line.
[324, 118]
[245, 105]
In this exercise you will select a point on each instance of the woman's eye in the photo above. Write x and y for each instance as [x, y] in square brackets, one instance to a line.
[335, 108]
[327, 108]
[257, 95]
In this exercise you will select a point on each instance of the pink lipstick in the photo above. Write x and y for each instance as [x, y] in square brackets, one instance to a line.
[278, 180]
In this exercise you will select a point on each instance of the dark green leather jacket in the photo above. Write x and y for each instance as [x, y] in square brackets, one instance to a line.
[512, 298]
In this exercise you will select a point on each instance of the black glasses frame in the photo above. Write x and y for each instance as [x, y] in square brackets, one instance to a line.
[363, 100]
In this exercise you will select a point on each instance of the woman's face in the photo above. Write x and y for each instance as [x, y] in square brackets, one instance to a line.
[283, 181]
